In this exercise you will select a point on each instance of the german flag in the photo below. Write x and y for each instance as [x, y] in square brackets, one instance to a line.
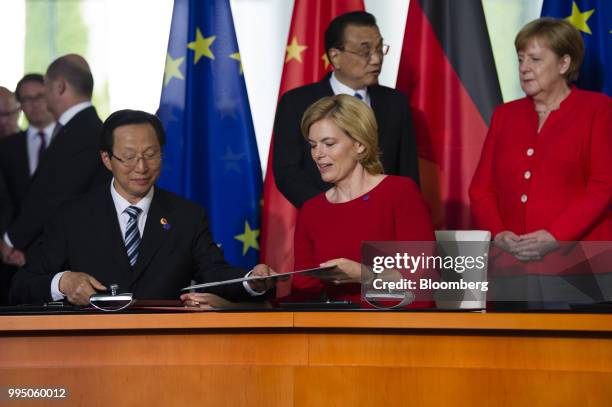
[448, 71]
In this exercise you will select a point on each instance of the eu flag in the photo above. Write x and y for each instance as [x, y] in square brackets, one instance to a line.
[211, 153]
[593, 18]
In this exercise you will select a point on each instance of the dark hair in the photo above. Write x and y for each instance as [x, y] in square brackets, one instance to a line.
[126, 117]
[334, 35]
[31, 77]
[560, 36]
[75, 70]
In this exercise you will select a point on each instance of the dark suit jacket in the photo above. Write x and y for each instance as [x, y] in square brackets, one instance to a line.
[6, 208]
[70, 167]
[6, 214]
[296, 174]
[15, 166]
[14, 182]
[85, 236]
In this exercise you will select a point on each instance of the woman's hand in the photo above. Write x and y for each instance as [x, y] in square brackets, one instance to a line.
[507, 241]
[528, 247]
[535, 245]
[345, 271]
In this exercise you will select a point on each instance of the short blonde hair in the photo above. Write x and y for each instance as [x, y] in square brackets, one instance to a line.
[355, 119]
[560, 36]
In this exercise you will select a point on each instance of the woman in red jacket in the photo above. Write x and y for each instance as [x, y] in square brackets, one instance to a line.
[362, 203]
[545, 174]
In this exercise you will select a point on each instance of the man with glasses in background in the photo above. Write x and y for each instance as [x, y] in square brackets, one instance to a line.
[129, 232]
[355, 48]
[20, 155]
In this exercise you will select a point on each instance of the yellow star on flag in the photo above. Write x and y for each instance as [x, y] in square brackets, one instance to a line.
[325, 61]
[172, 69]
[201, 46]
[248, 238]
[236, 56]
[294, 50]
[579, 19]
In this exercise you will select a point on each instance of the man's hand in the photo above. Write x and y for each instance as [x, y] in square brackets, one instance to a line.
[261, 270]
[209, 301]
[11, 255]
[78, 287]
[204, 301]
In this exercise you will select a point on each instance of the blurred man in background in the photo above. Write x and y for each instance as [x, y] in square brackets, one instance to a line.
[20, 154]
[71, 165]
[9, 113]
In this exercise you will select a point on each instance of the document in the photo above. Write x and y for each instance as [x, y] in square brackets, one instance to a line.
[314, 272]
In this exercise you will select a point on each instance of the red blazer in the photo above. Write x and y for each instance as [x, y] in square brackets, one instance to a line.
[392, 211]
[559, 179]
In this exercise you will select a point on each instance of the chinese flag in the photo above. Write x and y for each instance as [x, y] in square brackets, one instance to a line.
[305, 63]
[448, 71]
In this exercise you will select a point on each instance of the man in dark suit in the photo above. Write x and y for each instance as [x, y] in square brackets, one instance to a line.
[355, 49]
[6, 214]
[147, 240]
[71, 164]
[21, 152]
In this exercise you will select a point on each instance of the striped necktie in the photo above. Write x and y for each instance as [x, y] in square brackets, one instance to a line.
[132, 235]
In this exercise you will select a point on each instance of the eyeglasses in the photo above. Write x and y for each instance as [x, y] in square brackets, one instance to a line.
[31, 99]
[152, 159]
[367, 55]
[9, 113]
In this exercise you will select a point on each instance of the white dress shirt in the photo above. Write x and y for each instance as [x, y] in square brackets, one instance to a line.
[33, 142]
[71, 112]
[121, 204]
[341, 89]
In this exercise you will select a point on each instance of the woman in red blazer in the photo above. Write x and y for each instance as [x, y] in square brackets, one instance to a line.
[363, 204]
[545, 174]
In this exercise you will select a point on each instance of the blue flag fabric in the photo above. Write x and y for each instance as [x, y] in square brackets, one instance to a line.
[211, 154]
[593, 18]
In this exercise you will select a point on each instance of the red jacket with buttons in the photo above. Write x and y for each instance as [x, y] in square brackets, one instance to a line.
[559, 179]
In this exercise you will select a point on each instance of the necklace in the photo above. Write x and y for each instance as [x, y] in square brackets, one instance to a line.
[543, 111]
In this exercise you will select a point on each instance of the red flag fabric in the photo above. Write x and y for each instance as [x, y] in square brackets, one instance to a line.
[305, 63]
[448, 71]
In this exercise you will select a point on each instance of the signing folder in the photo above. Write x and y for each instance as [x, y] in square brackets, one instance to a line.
[318, 272]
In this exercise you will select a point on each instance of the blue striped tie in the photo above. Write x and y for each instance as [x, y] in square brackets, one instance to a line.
[132, 235]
